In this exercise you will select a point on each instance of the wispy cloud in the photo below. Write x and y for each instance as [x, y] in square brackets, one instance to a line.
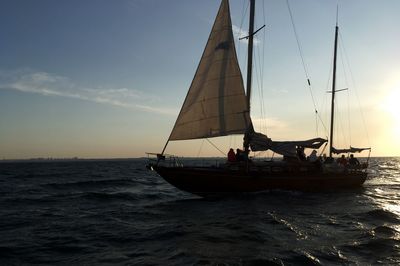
[240, 33]
[48, 84]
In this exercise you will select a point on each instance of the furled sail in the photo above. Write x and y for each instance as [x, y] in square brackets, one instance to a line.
[216, 103]
[260, 142]
[351, 150]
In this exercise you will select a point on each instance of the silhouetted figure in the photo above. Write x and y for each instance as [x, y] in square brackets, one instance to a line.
[313, 156]
[290, 159]
[353, 160]
[239, 155]
[231, 156]
[342, 160]
[329, 160]
[300, 153]
[245, 156]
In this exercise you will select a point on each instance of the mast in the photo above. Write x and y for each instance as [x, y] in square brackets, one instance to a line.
[333, 89]
[250, 52]
[249, 68]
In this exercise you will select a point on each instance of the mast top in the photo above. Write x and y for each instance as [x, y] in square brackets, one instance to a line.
[337, 15]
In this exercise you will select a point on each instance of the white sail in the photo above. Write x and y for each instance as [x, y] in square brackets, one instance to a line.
[216, 103]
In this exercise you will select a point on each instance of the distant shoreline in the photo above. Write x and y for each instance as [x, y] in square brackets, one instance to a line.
[74, 159]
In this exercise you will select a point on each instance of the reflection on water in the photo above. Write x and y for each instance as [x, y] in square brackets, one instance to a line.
[392, 207]
[384, 180]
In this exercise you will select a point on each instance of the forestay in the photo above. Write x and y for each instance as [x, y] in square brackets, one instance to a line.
[216, 103]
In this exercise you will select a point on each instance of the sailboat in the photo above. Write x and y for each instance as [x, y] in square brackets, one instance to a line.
[217, 105]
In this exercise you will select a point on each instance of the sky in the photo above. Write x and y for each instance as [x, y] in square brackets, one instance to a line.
[106, 79]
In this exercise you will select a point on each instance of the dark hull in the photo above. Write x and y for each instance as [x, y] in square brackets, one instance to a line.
[205, 181]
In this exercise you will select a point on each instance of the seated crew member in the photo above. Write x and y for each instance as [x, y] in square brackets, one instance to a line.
[300, 153]
[313, 156]
[342, 160]
[353, 160]
[239, 155]
[231, 156]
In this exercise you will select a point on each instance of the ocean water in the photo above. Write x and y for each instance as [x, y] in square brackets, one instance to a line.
[119, 213]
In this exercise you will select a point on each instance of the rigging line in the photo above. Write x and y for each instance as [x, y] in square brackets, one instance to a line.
[343, 66]
[262, 69]
[347, 86]
[258, 69]
[232, 140]
[235, 140]
[355, 89]
[303, 63]
[348, 114]
[215, 146]
[300, 51]
[262, 105]
[244, 12]
[297, 39]
[328, 87]
[321, 120]
[201, 146]
[263, 66]
[340, 122]
[323, 149]
[324, 108]
[260, 88]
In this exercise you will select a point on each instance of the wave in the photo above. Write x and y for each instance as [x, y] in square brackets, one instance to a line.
[381, 215]
[287, 225]
[385, 231]
[120, 213]
[107, 196]
[302, 257]
[89, 184]
[381, 246]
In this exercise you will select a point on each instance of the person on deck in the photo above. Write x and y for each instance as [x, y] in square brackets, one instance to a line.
[231, 156]
[328, 160]
[313, 156]
[342, 160]
[300, 153]
[239, 155]
[353, 160]
[245, 156]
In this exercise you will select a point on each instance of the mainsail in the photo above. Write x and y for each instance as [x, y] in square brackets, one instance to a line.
[216, 102]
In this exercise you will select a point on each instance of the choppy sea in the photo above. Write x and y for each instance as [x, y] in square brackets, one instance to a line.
[116, 212]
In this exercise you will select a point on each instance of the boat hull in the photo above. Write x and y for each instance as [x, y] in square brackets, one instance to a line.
[205, 181]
